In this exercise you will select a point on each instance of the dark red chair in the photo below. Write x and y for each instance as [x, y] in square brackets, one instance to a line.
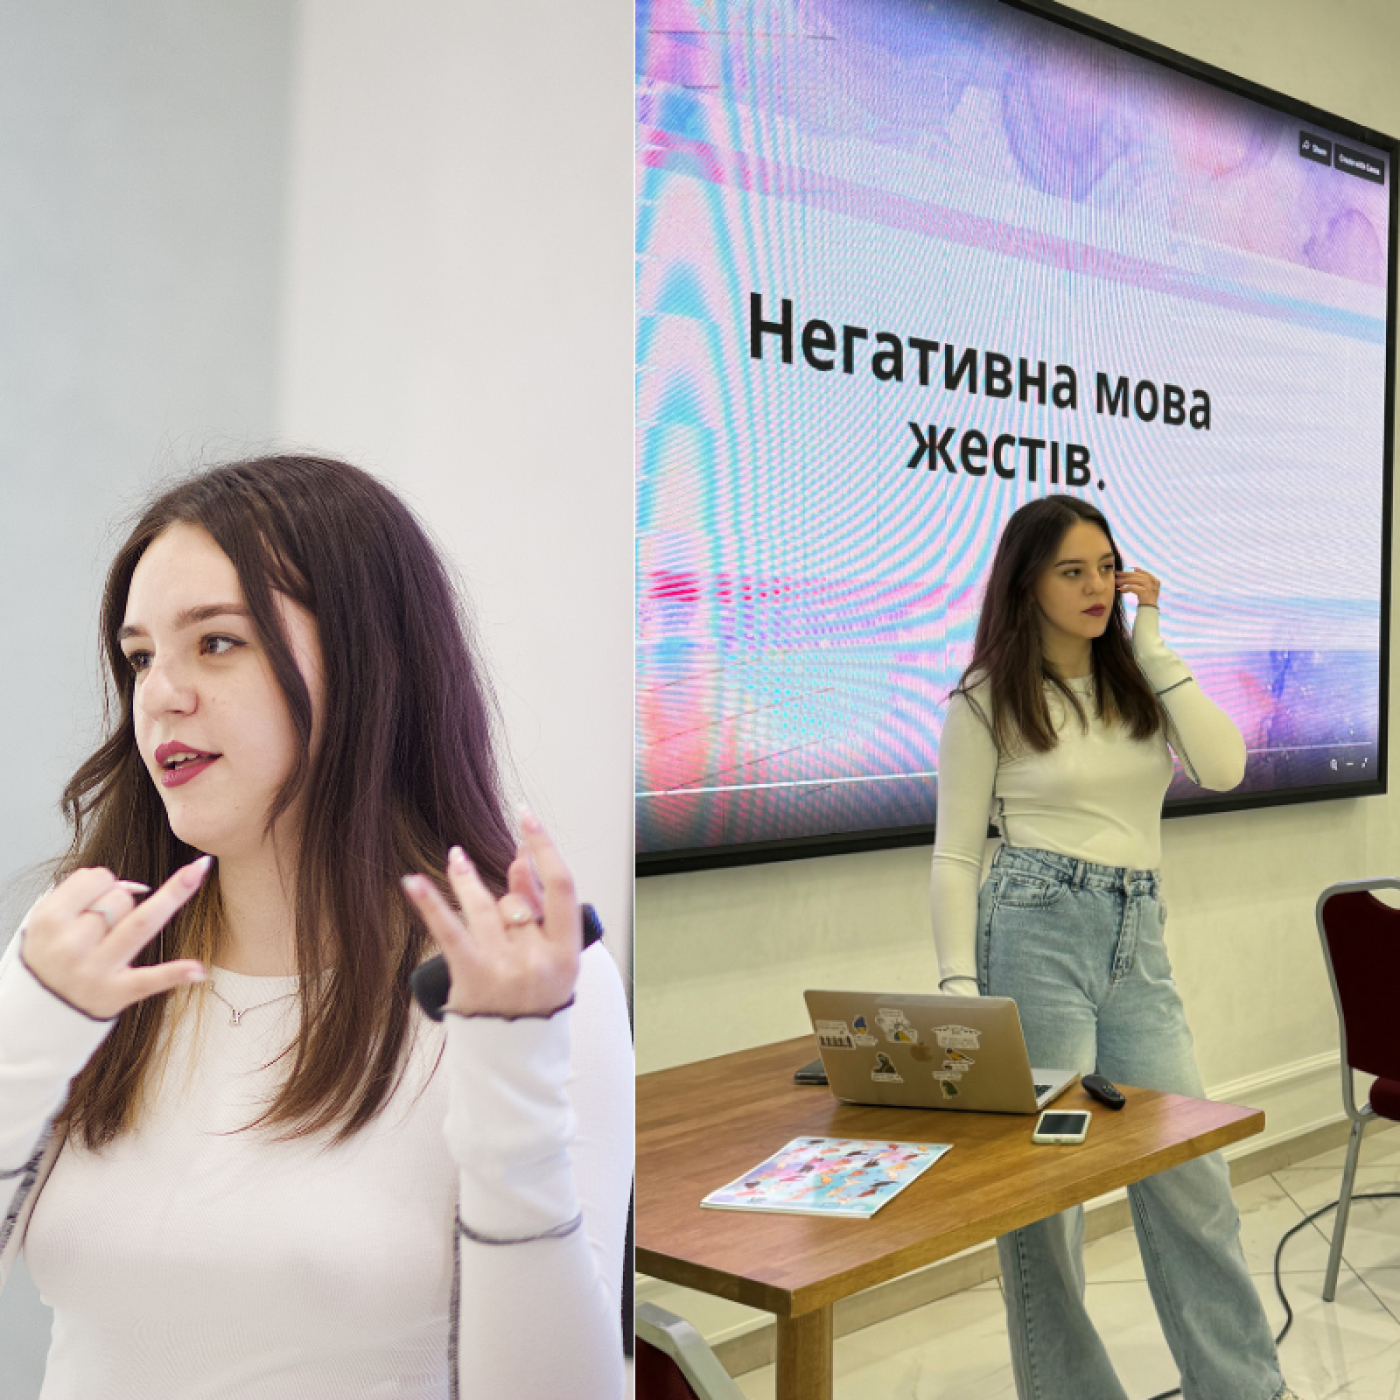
[674, 1362]
[1361, 945]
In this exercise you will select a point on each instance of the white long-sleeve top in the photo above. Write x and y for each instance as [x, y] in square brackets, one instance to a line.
[1096, 796]
[188, 1261]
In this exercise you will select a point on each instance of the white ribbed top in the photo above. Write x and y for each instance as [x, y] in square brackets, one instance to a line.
[1097, 795]
[192, 1260]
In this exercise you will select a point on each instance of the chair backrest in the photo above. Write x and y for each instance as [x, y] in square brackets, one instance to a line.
[657, 1377]
[1361, 943]
[674, 1362]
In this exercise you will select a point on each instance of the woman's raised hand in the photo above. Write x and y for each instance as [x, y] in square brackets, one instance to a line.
[81, 937]
[513, 956]
[1144, 586]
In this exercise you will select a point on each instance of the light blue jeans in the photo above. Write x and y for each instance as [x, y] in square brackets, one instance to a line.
[1080, 948]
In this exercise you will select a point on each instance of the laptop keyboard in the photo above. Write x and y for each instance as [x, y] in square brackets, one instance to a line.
[1041, 1089]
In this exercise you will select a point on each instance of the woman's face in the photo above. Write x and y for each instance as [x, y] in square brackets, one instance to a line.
[212, 725]
[1077, 589]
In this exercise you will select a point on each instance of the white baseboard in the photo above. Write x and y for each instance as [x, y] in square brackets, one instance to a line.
[1295, 1097]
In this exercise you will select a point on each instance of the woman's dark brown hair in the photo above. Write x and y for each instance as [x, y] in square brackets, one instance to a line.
[1007, 652]
[404, 767]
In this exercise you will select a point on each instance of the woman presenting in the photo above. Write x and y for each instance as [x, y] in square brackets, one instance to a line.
[272, 1175]
[1062, 731]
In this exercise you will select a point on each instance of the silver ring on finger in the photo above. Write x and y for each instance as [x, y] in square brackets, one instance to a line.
[106, 915]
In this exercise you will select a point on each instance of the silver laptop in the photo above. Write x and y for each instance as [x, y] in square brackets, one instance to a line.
[930, 1052]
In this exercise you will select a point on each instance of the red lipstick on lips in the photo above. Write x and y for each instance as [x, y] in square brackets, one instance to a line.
[1097, 610]
[179, 763]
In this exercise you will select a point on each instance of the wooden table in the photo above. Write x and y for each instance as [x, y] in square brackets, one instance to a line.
[701, 1125]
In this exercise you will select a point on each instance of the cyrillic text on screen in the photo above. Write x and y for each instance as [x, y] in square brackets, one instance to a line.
[829, 347]
[1005, 454]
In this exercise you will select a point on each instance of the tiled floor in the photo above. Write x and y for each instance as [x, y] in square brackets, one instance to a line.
[956, 1349]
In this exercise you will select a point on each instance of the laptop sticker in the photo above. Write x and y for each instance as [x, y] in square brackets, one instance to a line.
[896, 1027]
[884, 1071]
[860, 1032]
[834, 1035]
[955, 1059]
[949, 1088]
[946, 1073]
[958, 1037]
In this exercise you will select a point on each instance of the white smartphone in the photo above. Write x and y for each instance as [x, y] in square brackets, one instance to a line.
[1061, 1125]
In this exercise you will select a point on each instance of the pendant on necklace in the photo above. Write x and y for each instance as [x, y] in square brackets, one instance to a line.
[236, 1019]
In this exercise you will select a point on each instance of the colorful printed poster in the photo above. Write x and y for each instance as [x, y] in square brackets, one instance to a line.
[846, 1177]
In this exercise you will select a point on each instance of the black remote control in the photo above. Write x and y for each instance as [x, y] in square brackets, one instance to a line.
[1096, 1086]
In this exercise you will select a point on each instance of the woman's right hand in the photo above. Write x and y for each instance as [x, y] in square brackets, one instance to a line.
[81, 937]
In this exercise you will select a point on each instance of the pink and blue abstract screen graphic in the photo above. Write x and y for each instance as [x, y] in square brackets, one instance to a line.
[902, 267]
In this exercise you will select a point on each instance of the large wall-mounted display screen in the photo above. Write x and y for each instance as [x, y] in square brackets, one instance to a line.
[902, 267]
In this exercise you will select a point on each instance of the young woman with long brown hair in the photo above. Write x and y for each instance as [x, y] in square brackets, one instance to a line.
[1062, 732]
[272, 1175]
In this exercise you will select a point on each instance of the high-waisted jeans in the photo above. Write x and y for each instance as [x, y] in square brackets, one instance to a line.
[1080, 948]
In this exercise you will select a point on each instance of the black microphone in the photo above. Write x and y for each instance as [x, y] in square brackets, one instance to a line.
[432, 982]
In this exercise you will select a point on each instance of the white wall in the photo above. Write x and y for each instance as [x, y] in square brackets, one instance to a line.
[458, 318]
[725, 955]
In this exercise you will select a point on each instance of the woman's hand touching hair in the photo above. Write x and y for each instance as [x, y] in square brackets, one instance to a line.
[80, 939]
[513, 956]
[1143, 586]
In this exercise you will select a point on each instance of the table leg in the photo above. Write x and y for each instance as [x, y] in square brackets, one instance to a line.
[804, 1356]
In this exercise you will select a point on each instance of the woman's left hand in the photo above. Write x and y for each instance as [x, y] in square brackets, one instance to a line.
[513, 956]
[1144, 586]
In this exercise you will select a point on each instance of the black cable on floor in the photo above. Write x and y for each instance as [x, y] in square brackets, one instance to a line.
[1278, 1259]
